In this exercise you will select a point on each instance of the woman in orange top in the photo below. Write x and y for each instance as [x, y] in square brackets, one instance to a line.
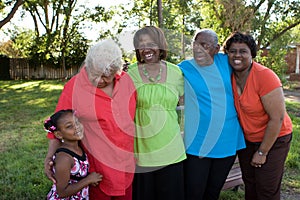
[260, 104]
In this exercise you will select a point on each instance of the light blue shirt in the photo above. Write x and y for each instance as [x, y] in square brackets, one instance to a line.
[211, 127]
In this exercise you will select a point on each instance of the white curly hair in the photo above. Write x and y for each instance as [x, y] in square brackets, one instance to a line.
[105, 57]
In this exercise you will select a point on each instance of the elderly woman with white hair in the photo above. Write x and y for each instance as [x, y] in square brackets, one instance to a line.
[104, 99]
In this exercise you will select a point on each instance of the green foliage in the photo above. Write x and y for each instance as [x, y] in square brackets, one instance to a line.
[23, 42]
[293, 157]
[60, 44]
[291, 182]
[27, 44]
[291, 179]
[274, 24]
[295, 34]
[275, 61]
[2, 6]
[232, 195]
[19, 44]
[268, 21]
[275, 57]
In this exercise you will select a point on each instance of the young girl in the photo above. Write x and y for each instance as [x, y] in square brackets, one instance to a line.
[70, 162]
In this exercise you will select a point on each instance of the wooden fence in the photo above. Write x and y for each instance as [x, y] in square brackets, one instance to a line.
[21, 69]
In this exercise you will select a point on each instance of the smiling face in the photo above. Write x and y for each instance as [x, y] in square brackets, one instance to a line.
[69, 128]
[148, 50]
[239, 55]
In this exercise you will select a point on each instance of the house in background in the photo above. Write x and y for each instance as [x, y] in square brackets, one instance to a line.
[293, 61]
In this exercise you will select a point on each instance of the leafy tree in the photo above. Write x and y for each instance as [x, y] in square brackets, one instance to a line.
[276, 19]
[19, 44]
[56, 40]
[6, 48]
[274, 57]
[59, 38]
[22, 43]
[99, 15]
[269, 21]
[55, 19]
[16, 4]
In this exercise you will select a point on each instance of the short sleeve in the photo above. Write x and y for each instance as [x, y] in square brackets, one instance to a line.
[267, 81]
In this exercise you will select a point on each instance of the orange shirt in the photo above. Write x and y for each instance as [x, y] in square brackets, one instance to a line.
[251, 113]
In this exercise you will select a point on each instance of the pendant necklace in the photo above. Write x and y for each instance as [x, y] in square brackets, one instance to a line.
[151, 79]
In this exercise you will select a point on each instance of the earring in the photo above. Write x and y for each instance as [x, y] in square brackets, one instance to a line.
[62, 140]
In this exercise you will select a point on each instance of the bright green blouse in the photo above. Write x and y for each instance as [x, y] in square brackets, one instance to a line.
[158, 140]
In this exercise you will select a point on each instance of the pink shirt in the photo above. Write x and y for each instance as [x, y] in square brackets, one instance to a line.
[108, 125]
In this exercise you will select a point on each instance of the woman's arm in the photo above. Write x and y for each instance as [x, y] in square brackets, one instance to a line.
[48, 163]
[274, 105]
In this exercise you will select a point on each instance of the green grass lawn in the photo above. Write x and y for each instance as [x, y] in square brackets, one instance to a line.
[24, 105]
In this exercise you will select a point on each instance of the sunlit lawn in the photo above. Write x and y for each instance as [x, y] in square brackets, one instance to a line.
[23, 144]
[25, 104]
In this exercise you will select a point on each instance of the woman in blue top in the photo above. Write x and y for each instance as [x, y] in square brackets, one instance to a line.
[212, 133]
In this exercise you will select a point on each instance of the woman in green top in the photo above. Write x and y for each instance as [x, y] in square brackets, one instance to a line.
[159, 147]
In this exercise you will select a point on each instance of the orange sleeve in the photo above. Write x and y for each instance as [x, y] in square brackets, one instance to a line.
[267, 81]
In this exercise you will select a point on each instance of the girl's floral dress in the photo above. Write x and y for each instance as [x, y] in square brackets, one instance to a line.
[78, 172]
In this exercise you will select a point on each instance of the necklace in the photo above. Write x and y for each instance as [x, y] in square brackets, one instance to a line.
[151, 79]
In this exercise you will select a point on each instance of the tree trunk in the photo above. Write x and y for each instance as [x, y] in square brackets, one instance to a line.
[182, 39]
[160, 14]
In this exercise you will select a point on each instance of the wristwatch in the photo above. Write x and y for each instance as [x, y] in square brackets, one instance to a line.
[261, 153]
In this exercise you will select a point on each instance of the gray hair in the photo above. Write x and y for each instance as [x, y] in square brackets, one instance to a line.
[210, 32]
[105, 56]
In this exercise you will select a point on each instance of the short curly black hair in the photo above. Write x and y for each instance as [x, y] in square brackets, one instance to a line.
[238, 37]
